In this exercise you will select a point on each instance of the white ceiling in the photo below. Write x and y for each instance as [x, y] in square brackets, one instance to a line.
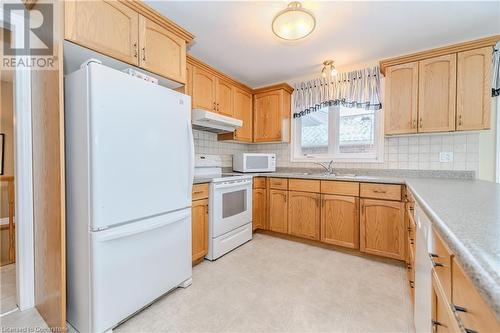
[236, 38]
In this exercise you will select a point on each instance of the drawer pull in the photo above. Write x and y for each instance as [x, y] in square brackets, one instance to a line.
[459, 308]
[433, 255]
[436, 264]
[379, 191]
[436, 323]
[198, 192]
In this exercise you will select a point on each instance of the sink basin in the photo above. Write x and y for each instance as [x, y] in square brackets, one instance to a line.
[344, 175]
[347, 175]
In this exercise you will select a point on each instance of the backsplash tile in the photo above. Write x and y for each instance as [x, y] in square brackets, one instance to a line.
[417, 152]
[404, 152]
[206, 143]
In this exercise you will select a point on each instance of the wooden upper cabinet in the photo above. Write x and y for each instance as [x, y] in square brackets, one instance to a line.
[340, 220]
[243, 111]
[304, 214]
[401, 98]
[188, 88]
[382, 228]
[278, 210]
[271, 118]
[437, 94]
[161, 51]
[203, 96]
[109, 27]
[474, 89]
[129, 31]
[224, 97]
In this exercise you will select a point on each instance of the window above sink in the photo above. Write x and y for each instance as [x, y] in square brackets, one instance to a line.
[338, 133]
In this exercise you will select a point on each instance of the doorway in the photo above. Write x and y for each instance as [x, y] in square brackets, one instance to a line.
[8, 289]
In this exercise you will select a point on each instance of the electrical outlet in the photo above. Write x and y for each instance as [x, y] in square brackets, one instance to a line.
[446, 156]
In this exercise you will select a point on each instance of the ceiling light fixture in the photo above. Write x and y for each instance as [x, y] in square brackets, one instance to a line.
[293, 22]
[329, 69]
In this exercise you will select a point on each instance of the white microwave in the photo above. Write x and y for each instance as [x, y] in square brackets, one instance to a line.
[254, 162]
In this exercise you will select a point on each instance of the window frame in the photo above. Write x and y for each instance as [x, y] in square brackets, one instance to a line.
[336, 156]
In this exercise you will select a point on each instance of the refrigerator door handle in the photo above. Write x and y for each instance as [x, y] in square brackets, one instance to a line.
[191, 153]
[141, 226]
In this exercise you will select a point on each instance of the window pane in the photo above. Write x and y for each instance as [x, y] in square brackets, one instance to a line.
[356, 130]
[314, 132]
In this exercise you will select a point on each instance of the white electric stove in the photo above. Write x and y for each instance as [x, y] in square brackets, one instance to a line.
[229, 206]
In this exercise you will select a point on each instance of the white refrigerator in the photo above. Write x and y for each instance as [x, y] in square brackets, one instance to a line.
[129, 172]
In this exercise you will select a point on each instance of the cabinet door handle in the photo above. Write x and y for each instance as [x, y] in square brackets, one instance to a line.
[468, 330]
[436, 323]
[144, 53]
[459, 120]
[459, 308]
[135, 50]
[414, 123]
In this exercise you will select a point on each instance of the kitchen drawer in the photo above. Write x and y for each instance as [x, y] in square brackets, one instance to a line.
[380, 191]
[441, 260]
[200, 191]
[340, 188]
[278, 183]
[303, 185]
[477, 316]
[259, 182]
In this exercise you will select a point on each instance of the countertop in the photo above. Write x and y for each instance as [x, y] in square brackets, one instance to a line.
[465, 212]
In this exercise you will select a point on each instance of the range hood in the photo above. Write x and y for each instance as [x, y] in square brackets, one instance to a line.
[213, 122]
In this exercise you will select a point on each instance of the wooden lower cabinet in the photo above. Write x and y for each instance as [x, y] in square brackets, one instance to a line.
[443, 320]
[259, 208]
[304, 214]
[475, 314]
[382, 228]
[278, 210]
[340, 220]
[199, 229]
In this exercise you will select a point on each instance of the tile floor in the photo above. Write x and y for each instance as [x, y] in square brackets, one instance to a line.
[8, 300]
[23, 321]
[276, 285]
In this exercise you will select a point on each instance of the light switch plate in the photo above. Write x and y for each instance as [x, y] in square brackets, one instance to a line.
[446, 156]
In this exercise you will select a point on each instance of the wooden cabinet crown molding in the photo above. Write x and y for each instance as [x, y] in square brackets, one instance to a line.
[200, 64]
[454, 48]
[285, 86]
[158, 18]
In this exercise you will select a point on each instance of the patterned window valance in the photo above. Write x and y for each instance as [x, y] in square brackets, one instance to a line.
[356, 89]
[495, 90]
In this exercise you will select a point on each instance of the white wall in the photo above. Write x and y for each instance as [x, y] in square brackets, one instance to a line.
[488, 147]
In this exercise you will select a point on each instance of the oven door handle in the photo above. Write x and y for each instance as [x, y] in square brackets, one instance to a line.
[246, 182]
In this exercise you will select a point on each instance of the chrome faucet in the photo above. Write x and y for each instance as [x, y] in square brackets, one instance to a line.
[328, 168]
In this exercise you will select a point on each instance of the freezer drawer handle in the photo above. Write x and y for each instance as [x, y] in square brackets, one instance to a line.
[111, 234]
